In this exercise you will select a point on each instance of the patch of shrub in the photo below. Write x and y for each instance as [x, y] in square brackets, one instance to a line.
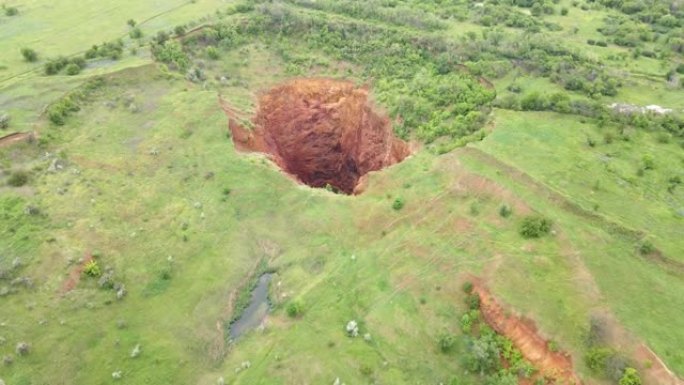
[295, 309]
[473, 301]
[10, 11]
[597, 357]
[92, 269]
[648, 162]
[18, 179]
[467, 287]
[505, 211]
[212, 53]
[398, 204]
[73, 69]
[29, 55]
[179, 30]
[171, 52]
[135, 33]
[112, 50]
[4, 121]
[535, 226]
[447, 342]
[646, 247]
[131, 23]
[630, 377]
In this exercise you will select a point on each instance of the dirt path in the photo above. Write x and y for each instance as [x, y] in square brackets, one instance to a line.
[75, 275]
[525, 336]
[656, 372]
[10, 139]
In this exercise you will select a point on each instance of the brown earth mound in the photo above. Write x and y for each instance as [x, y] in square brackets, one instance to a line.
[324, 132]
[525, 336]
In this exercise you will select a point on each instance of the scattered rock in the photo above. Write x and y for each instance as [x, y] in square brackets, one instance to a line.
[23, 348]
[367, 337]
[3, 340]
[121, 324]
[4, 291]
[56, 165]
[197, 205]
[245, 364]
[352, 328]
[121, 292]
[154, 152]
[136, 351]
[117, 375]
[2, 382]
[31, 210]
[16, 263]
[221, 381]
[7, 360]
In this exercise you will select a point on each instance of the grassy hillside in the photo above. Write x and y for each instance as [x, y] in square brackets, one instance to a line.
[506, 107]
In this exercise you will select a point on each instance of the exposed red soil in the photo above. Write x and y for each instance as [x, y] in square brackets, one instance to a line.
[525, 336]
[75, 275]
[322, 131]
[10, 139]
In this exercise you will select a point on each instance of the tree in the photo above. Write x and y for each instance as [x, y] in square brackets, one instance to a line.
[29, 55]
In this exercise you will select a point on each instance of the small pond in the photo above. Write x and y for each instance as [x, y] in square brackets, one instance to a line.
[255, 313]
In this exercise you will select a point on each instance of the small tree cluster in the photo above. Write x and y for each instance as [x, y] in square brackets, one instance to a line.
[112, 50]
[71, 66]
[535, 226]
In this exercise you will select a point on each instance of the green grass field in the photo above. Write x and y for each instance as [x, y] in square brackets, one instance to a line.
[145, 176]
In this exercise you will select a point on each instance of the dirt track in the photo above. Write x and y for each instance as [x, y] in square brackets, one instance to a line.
[324, 132]
[10, 139]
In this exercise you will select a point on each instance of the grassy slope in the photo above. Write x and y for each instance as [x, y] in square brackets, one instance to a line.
[403, 284]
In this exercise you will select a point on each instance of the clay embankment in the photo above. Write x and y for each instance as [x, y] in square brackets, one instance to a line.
[323, 132]
[525, 336]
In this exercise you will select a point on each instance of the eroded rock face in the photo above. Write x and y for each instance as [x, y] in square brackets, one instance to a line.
[324, 132]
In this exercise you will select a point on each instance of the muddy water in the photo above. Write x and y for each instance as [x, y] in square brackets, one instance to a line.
[257, 310]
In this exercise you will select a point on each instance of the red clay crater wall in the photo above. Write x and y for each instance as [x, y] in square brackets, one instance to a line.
[322, 131]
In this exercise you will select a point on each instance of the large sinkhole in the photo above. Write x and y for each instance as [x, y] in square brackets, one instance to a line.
[323, 132]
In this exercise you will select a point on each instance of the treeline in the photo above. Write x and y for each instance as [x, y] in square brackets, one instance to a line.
[561, 102]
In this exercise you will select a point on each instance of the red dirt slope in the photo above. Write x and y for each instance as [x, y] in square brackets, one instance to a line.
[525, 336]
[322, 131]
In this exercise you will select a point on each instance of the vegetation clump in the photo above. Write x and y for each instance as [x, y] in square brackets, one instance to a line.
[535, 226]
[29, 55]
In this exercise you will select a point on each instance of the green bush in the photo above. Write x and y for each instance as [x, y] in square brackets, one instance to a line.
[535, 226]
[646, 247]
[447, 343]
[4, 121]
[468, 287]
[29, 55]
[212, 53]
[295, 309]
[18, 179]
[630, 377]
[73, 69]
[131, 23]
[179, 30]
[398, 204]
[10, 11]
[596, 358]
[135, 33]
[473, 301]
[505, 211]
[92, 269]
